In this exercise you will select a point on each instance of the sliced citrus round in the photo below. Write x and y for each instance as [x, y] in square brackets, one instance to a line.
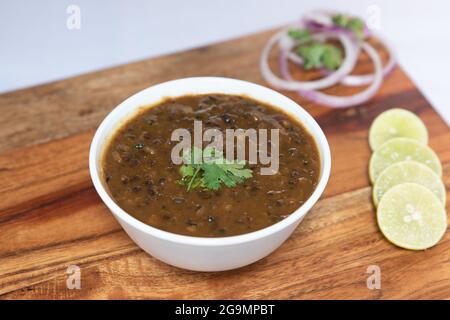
[395, 123]
[412, 217]
[408, 171]
[402, 149]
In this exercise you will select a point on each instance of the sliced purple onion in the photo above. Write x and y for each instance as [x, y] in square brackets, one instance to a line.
[295, 58]
[362, 80]
[319, 18]
[320, 23]
[359, 80]
[340, 101]
[351, 49]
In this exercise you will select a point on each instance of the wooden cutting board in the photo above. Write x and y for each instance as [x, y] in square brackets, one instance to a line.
[51, 217]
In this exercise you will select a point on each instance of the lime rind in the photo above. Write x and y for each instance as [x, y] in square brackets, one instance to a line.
[395, 123]
[402, 149]
[412, 217]
[408, 171]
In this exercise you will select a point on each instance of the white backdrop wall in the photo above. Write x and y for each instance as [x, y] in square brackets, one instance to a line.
[36, 46]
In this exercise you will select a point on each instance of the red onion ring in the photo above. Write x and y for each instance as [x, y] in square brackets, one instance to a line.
[339, 101]
[362, 80]
[322, 21]
[322, 26]
[359, 80]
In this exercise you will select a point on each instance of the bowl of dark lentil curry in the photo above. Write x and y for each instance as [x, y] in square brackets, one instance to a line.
[221, 212]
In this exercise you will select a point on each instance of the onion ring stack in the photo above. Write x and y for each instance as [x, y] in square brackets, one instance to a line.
[322, 28]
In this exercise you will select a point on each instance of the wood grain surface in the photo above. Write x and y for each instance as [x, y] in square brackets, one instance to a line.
[51, 216]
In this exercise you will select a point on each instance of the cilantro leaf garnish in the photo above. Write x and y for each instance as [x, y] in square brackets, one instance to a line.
[332, 57]
[355, 25]
[208, 169]
[300, 35]
[316, 55]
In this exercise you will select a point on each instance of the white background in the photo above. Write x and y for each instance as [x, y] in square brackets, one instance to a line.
[37, 47]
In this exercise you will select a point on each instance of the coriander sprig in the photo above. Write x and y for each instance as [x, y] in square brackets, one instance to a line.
[355, 25]
[315, 54]
[208, 169]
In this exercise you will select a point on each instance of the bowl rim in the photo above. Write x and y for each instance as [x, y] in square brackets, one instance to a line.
[314, 129]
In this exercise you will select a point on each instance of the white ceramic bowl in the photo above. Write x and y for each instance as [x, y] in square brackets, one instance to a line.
[196, 253]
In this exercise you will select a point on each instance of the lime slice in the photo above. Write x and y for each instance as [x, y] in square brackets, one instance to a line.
[412, 217]
[408, 171]
[402, 149]
[396, 123]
